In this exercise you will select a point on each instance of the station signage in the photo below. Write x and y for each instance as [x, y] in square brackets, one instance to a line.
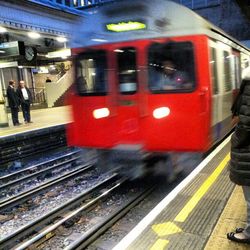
[126, 26]
[15, 48]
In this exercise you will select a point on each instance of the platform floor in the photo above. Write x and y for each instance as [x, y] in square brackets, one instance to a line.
[42, 118]
[197, 214]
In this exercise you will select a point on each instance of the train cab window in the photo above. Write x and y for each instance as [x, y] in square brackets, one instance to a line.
[227, 72]
[171, 67]
[214, 73]
[127, 72]
[91, 69]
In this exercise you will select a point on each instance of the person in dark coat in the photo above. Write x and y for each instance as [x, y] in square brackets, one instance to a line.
[13, 101]
[240, 154]
[25, 99]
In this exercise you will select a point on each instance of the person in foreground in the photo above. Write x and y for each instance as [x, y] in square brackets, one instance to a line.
[240, 154]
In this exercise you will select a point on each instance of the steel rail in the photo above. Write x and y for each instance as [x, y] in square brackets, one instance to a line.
[92, 234]
[26, 195]
[13, 175]
[31, 176]
[11, 240]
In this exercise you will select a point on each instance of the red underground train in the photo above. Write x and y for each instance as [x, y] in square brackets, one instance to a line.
[152, 78]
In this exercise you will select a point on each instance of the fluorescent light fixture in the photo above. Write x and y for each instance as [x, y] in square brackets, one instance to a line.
[61, 39]
[126, 26]
[2, 52]
[59, 53]
[101, 113]
[3, 29]
[161, 112]
[34, 35]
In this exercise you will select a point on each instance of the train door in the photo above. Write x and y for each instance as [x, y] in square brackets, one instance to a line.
[225, 77]
[127, 119]
[178, 100]
[216, 94]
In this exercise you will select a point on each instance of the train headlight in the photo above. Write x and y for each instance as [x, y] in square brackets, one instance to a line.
[161, 112]
[101, 113]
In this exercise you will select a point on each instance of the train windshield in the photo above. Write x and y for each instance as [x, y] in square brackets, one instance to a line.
[91, 73]
[171, 67]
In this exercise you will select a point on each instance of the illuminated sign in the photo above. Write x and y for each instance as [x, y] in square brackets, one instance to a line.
[126, 26]
[59, 53]
[11, 49]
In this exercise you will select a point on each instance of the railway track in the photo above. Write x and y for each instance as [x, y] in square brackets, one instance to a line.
[15, 182]
[27, 173]
[70, 219]
[22, 197]
[14, 238]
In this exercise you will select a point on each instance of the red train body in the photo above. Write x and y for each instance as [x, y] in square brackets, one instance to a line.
[134, 114]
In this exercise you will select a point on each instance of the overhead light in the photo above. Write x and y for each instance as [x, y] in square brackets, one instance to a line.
[34, 35]
[2, 52]
[59, 53]
[64, 57]
[3, 29]
[61, 39]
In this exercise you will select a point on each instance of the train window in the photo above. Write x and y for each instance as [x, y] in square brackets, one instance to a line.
[227, 72]
[171, 67]
[91, 73]
[127, 72]
[214, 73]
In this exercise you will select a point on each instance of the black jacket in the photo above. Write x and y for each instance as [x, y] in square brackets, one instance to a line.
[240, 142]
[13, 98]
[20, 95]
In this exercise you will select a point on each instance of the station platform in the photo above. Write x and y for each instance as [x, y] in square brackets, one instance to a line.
[42, 118]
[197, 214]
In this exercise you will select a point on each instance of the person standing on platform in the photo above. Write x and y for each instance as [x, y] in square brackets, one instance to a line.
[25, 99]
[48, 79]
[14, 102]
[240, 154]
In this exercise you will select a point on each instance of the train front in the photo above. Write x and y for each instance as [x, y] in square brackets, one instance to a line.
[120, 102]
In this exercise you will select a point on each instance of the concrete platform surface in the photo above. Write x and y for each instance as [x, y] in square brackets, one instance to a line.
[42, 118]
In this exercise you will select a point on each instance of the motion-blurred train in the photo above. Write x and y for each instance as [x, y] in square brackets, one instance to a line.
[121, 104]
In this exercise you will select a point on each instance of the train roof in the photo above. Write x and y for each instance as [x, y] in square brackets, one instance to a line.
[126, 20]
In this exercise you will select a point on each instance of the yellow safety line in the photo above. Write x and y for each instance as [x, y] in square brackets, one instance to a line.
[159, 244]
[183, 214]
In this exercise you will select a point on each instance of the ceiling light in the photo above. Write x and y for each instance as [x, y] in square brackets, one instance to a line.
[61, 39]
[34, 35]
[3, 29]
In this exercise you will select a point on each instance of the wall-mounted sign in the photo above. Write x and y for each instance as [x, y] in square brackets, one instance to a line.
[126, 26]
[59, 53]
[11, 49]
